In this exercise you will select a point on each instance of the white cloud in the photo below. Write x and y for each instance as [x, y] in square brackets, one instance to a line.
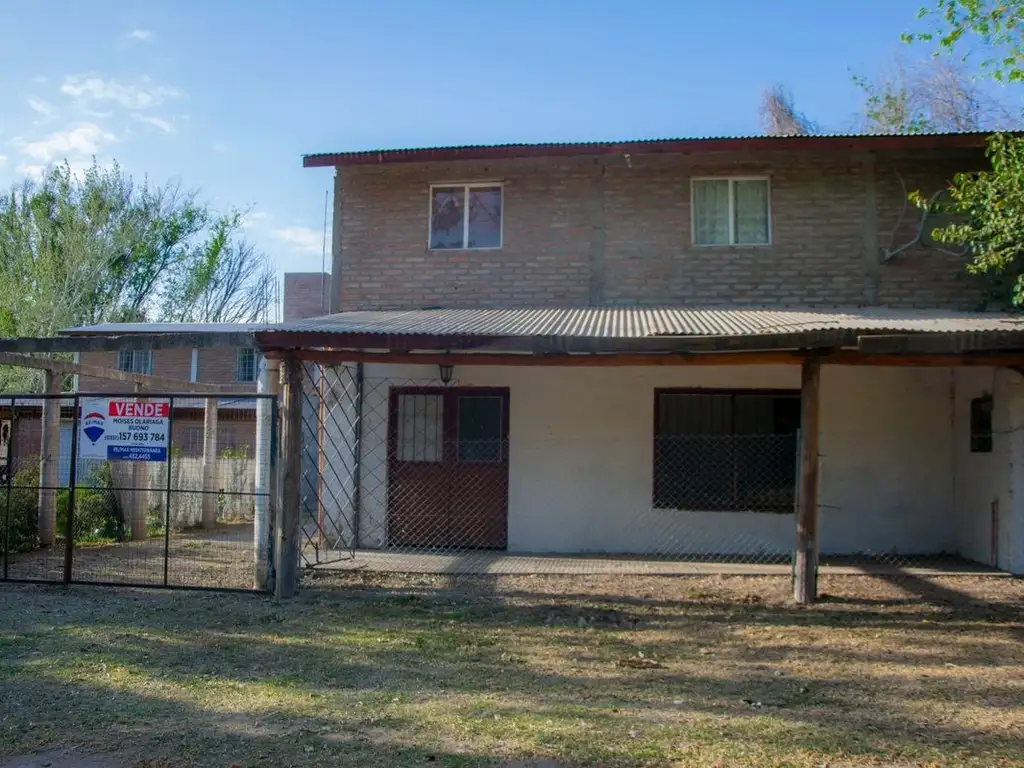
[144, 95]
[83, 139]
[305, 239]
[142, 35]
[3, 159]
[31, 171]
[156, 122]
[42, 108]
[253, 218]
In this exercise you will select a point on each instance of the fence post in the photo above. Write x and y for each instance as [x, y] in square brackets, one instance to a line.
[210, 462]
[11, 454]
[805, 572]
[267, 383]
[69, 528]
[286, 550]
[167, 488]
[49, 455]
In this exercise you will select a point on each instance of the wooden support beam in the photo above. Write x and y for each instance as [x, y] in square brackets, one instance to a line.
[210, 490]
[288, 535]
[769, 357]
[153, 383]
[168, 339]
[49, 460]
[805, 565]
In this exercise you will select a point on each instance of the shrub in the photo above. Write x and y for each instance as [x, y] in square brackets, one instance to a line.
[98, 516]
[23, 510]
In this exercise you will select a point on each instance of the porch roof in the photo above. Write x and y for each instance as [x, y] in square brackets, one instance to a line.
[602, 330]
[642, 322]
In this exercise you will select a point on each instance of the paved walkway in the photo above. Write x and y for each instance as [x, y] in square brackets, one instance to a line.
[503, 563]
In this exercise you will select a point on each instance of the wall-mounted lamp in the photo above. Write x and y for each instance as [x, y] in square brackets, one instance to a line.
[446, 373]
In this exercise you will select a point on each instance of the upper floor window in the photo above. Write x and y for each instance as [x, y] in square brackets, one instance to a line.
[465, 216]
[135, 361]
[734, 211]
[246, 364]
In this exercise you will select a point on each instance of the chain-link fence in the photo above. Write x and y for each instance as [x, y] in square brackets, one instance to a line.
[423, 475]
[154, 490]
[417, 474]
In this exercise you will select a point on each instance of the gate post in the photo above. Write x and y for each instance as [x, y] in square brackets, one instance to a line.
[267, 383]
[286, 550]
[805, 562]
[49, 454]
[139, 498]
[210, 462]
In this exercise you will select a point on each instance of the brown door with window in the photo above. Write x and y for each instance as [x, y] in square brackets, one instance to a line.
[448, 468]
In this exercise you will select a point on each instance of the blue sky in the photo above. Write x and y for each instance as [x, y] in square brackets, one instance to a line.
[227, 95]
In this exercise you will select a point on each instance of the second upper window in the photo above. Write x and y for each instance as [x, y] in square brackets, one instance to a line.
[731, 212]
[465, 216]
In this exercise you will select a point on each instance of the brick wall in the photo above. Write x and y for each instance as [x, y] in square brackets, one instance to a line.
[306, 294]
[617, 230]
[216, 366]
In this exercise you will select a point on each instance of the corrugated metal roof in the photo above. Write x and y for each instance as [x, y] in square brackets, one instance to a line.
[115, 329]
[637, 323]
[643, 146]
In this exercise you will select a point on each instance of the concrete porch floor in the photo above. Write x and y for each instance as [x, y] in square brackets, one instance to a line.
[506, 563]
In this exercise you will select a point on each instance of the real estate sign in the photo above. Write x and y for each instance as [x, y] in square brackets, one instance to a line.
[123, 430]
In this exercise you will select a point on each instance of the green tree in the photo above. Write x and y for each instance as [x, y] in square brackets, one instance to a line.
[988, 205]
[77, 250]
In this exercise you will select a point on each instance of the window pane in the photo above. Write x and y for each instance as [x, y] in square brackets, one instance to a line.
[447, 207]
[484, 217]
[751, 211]
[480, 428]
[711, 212]
[726, 451]
[419, 428]
[981, 425]
[135, 361]
[245, 365]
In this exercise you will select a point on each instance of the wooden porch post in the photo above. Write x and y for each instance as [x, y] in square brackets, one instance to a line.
[210, 463]
[286, 549]
[49, 460]
[805, 563]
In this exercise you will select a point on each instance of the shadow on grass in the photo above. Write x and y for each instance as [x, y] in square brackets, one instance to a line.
[406, 675]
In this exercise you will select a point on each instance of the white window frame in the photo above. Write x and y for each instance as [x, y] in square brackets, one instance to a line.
[133, 352]
[255, 365]
[466, 186]
[732, 211]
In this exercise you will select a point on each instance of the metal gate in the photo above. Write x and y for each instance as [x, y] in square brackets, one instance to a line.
[191, 509]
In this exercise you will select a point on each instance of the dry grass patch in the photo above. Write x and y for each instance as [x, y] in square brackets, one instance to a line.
[423, 670]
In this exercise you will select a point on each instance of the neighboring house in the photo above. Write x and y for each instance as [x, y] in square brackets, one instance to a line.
[236, 368]
[543, 250]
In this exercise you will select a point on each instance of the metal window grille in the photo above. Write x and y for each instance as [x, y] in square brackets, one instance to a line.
[245, 365]
[135, 361]
[726, 451]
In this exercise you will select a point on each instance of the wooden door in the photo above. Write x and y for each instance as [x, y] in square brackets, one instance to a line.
[448, 468]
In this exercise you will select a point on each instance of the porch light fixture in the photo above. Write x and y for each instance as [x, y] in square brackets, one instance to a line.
[446, 373]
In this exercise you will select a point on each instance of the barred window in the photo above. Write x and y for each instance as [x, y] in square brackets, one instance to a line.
[245, 365]
[135, 361]
[726, 450]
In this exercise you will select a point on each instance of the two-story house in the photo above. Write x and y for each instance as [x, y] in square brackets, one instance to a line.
[613, 335]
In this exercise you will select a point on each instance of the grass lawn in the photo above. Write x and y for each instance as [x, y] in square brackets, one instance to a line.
[519, 670]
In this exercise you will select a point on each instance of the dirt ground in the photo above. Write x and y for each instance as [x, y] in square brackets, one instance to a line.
[221, 557]
[888, 670]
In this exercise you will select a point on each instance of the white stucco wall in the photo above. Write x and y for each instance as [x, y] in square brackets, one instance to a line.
[581, 450]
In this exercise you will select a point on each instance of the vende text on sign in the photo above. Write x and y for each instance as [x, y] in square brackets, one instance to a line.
[124, 430]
